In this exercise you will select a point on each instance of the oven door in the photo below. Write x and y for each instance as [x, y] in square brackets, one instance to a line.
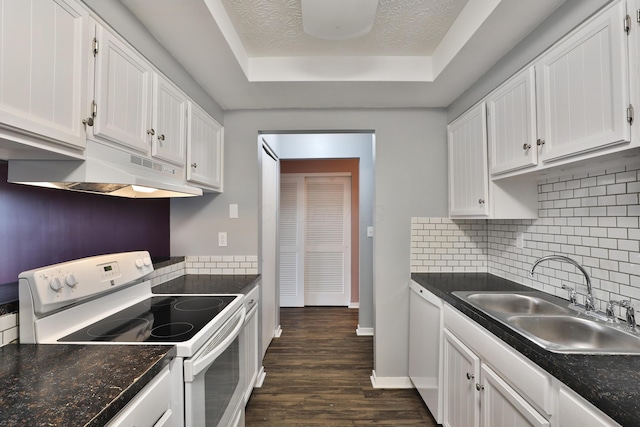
[214, 378]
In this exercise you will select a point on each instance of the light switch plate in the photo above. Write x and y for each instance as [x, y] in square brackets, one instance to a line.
[233, 210]
[369, 231]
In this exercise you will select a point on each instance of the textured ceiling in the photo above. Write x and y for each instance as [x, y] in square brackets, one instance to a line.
[402, 28]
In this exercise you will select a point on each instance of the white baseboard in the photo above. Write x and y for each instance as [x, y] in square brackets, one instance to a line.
[364, 332]
[278, 332]
[390, 382]
[354, 305]
[260, 377]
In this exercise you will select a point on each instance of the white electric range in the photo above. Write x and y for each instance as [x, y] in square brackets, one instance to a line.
[107, 300]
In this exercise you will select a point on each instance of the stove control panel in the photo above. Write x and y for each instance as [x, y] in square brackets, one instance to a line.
[58, 285]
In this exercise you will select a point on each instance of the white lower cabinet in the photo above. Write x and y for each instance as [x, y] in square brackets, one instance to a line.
[250, 336]
[573, 410]
[486, 383]
[474, 395]
[461, 373]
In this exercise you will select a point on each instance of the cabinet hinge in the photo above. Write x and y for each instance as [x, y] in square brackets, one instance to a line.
[638, 15]
[94, 109]
[95, 46]
[630, 114]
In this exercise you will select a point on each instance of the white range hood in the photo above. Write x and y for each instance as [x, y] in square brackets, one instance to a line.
[106, 170]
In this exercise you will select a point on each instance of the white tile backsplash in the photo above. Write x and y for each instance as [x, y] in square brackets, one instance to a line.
[592, 218]
[227, 264]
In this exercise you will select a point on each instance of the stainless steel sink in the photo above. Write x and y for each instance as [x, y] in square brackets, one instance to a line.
[553, 323]
[575, 334]
[513, 303]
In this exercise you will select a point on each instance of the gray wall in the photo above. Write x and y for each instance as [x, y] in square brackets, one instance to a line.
[342, 145]
[410, 180]
[562, 21]
[128, 26]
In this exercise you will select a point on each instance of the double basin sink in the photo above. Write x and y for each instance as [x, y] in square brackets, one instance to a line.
[553, 323]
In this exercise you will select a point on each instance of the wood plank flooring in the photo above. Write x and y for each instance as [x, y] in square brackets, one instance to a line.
[318, 375]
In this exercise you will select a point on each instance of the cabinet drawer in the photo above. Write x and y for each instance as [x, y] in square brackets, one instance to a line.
[519, 372]
[251, 299]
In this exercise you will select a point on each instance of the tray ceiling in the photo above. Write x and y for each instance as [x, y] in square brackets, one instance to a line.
[253, 54]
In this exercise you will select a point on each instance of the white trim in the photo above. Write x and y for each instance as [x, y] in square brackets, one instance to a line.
[390, 382]
[364, 332]
[260, 378]
[305, 174]
[354, 304]
[278, 332]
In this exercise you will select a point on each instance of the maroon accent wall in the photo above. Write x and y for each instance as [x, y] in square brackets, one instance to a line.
[43, 226]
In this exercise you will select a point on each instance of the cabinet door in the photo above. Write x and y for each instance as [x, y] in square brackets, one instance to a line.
[502, 406]
[169, 119]
[511, 112]
[582, 88]
[461, 374]
[252, 357]
[425, 326]
[44, 54]
[122, 92]
[468, 170]
[204, 149]
[573, 410]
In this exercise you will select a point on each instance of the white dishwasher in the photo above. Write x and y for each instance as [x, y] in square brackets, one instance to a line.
[425, 347]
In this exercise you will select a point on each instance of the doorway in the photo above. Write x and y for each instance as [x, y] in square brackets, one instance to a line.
[358, 145]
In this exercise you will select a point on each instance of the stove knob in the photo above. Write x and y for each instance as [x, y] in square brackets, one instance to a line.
[55, 284]
[71, 281]
[147, 261]
[139, 263]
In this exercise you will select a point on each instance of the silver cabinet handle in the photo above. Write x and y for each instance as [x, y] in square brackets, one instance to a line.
[470, 376]
[526, 146]
[481, 201]
[194, 165]
[151, 132]
[540, 142]
[161, 137]
[479, 387]
[88, 121]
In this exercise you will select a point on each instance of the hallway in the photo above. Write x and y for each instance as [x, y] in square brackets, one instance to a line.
[318, 375]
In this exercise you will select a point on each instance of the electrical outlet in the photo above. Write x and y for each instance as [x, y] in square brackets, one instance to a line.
[222, 238]
[369, 231]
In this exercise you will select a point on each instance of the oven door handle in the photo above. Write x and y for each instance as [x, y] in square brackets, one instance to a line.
[214, 347]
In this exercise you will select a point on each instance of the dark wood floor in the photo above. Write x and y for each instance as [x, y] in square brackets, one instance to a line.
[318, 375]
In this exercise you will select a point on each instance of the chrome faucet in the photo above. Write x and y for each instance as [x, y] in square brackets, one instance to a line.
[631, 313]
[588, 301]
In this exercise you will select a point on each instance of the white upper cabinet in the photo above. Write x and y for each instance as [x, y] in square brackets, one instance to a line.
[468, 173]
[44, 53]
[169, 121]
[511, 117]
[582, 88]
[205, 138]
[122, 93]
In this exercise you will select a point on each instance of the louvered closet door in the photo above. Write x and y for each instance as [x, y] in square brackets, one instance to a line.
[327, 257]
[291, 241]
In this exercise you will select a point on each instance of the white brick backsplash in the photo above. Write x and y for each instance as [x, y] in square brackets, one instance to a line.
[592, 218]
[227, 264]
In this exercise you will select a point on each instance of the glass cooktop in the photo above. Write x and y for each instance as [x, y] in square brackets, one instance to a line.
[160, 319]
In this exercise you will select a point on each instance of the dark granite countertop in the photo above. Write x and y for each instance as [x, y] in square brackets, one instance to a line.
[611, 383]
[73, 385]
[208, 284]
